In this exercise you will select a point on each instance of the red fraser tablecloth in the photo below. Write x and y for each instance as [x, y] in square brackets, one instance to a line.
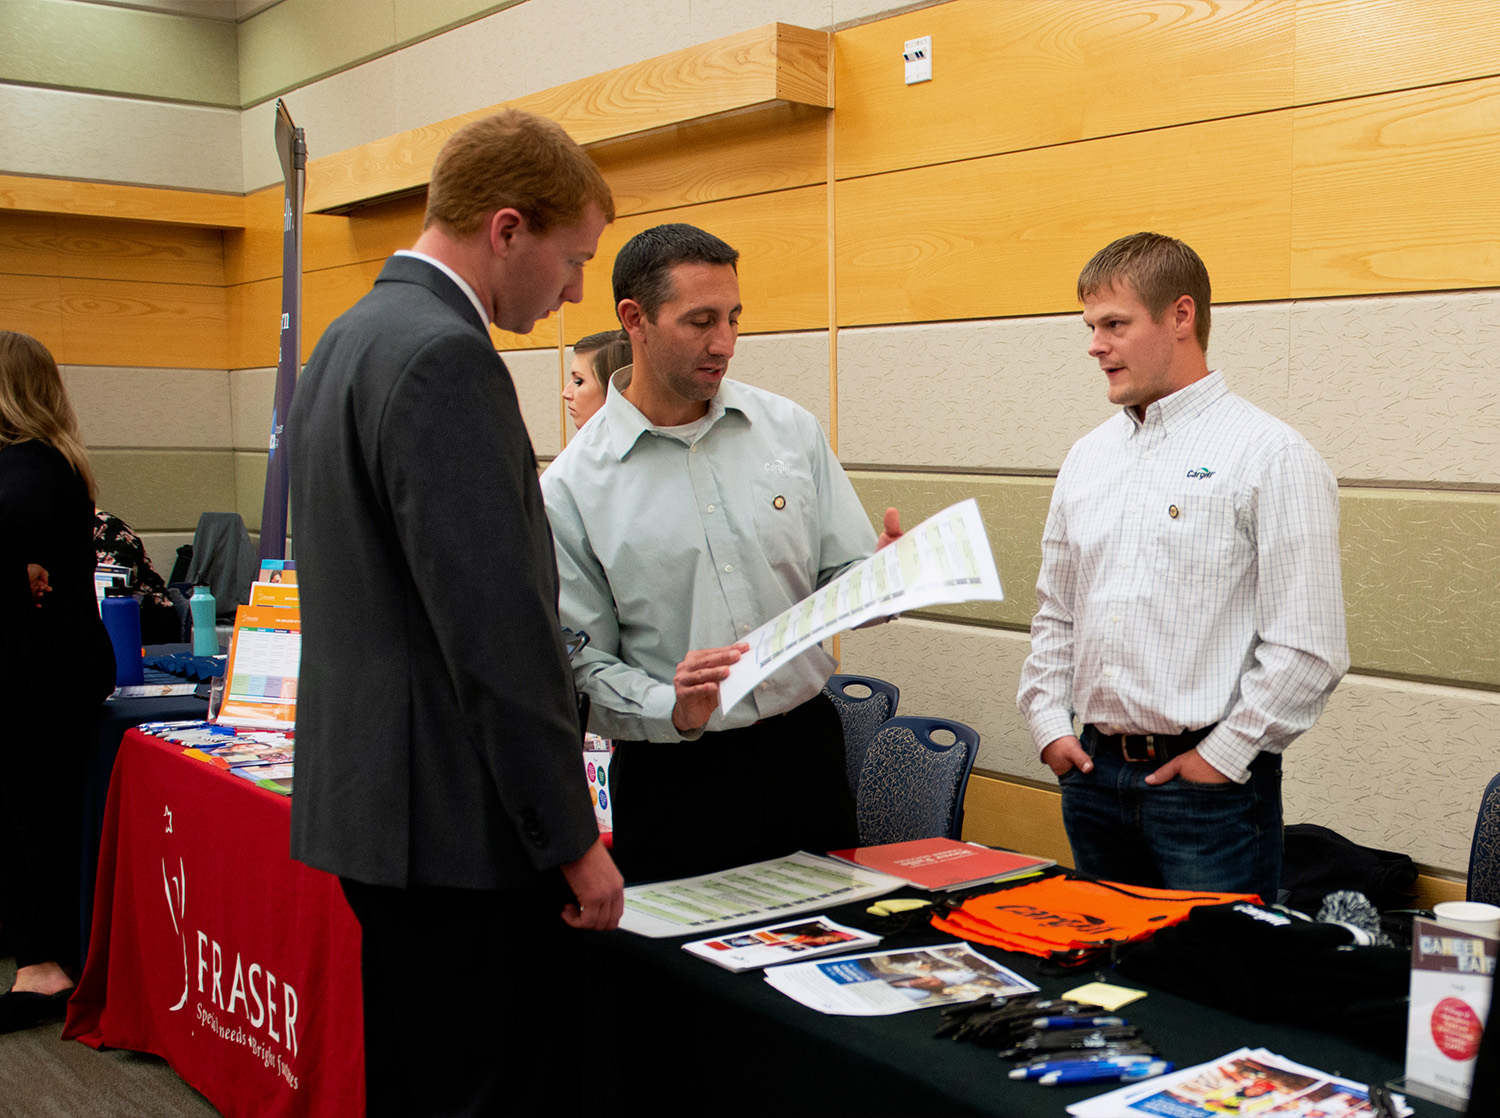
[213, 949]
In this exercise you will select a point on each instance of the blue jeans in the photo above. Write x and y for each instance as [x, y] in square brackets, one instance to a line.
[1178, 835]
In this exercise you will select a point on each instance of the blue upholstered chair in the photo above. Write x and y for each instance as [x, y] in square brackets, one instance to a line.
[1484, 855]
[863, 703]
[913, 781]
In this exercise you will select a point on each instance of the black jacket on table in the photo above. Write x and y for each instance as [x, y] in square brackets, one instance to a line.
[437, 735]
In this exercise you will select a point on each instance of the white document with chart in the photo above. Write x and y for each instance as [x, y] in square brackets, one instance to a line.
[944, 559]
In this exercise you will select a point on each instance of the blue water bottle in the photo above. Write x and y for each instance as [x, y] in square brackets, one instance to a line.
[205, 616]
[122, 617]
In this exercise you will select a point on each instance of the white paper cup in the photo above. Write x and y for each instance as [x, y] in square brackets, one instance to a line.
[1469, 916]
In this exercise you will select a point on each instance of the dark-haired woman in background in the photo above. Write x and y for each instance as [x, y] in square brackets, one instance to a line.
[56, 667]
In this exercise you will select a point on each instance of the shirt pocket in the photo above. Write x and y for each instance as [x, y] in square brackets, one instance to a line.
[785, 514]
[1198, 547]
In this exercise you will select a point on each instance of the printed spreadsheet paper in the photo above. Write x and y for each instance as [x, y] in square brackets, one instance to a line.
[944, 560]
[750, 894]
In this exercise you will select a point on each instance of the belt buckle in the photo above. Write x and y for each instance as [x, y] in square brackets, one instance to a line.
[1127, 740]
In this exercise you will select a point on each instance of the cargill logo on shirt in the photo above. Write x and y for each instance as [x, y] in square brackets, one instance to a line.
[1200, 471]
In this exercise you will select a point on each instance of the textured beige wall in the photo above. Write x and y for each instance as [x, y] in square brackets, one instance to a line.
[1421, 567]
[1389, 388]
[71, 135]
[161, 443]
[119, 50]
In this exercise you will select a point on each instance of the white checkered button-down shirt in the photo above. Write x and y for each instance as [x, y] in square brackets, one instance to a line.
[1190, 575]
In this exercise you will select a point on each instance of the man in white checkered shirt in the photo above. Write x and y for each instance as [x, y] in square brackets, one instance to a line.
[1190, 612]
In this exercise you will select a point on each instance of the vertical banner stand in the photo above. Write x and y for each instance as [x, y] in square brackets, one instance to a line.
[291, 147]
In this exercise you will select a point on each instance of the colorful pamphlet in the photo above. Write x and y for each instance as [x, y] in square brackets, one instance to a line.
[261, 676]
[273, 778]
[942, 864]
[1252, 1083]
[281, 594]
[882, 983]
[278, 570]
[791, 942]
[596, 754]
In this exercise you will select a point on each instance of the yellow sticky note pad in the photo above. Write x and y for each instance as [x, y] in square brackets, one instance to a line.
[1104, 994]
[894, 905]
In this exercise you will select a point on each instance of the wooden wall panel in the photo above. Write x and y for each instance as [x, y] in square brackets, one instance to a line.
[1397, 192]
[1030, 73]
[138, 203]
[42, 244]
[1016, 816]
[255, 311]
[726, 157]
[758, 67]
[328, 240]
[782, 239]
[1008, 235]
[106, 322]
[254, 314]
[1348, 48]
[543, 336]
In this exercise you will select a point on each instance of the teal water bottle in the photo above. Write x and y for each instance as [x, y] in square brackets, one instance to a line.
[204, 610]
[122, 618]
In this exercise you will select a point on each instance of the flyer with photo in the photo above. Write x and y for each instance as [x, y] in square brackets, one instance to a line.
[879, 984]
[795, 941]
[1248, 1083]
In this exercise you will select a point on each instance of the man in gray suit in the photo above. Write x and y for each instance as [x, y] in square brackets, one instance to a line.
[438, 754]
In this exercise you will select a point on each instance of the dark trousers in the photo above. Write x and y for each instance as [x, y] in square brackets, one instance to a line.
[41, 820]
[732, 797]
[1178, 835]
[477, 1002]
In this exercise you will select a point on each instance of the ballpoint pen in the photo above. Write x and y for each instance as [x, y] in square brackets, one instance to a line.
[1069, 1022]
[1102, 1072]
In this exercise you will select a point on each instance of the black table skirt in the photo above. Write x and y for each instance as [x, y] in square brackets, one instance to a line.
[703, 1038]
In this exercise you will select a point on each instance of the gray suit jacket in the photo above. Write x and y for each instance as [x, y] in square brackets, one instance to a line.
[437, 736]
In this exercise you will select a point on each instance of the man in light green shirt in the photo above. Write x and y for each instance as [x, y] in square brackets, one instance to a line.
[688, 512]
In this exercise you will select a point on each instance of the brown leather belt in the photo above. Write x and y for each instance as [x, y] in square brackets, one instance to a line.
[1145, 748]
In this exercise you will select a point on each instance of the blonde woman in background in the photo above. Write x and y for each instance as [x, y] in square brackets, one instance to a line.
[595, 359]
[56, 667]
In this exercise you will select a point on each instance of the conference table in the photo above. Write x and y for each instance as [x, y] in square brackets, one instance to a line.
[213, 949]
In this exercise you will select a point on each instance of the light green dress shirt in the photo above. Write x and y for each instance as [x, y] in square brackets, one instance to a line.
[671, 539]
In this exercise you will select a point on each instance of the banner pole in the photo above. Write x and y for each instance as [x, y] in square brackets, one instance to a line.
[291, 148]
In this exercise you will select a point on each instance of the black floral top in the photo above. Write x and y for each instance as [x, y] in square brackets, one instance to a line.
[116, 543]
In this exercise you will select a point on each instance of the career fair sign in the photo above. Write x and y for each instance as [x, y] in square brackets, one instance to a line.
[1451, 978]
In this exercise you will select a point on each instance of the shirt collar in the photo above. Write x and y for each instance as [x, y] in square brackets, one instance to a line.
[1181, 406]
[484, 315]
[627, 423]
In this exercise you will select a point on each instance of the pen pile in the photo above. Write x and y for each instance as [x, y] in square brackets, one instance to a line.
[1054, 1042]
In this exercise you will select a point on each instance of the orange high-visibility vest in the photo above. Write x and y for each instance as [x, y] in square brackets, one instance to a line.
[1060, 915]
